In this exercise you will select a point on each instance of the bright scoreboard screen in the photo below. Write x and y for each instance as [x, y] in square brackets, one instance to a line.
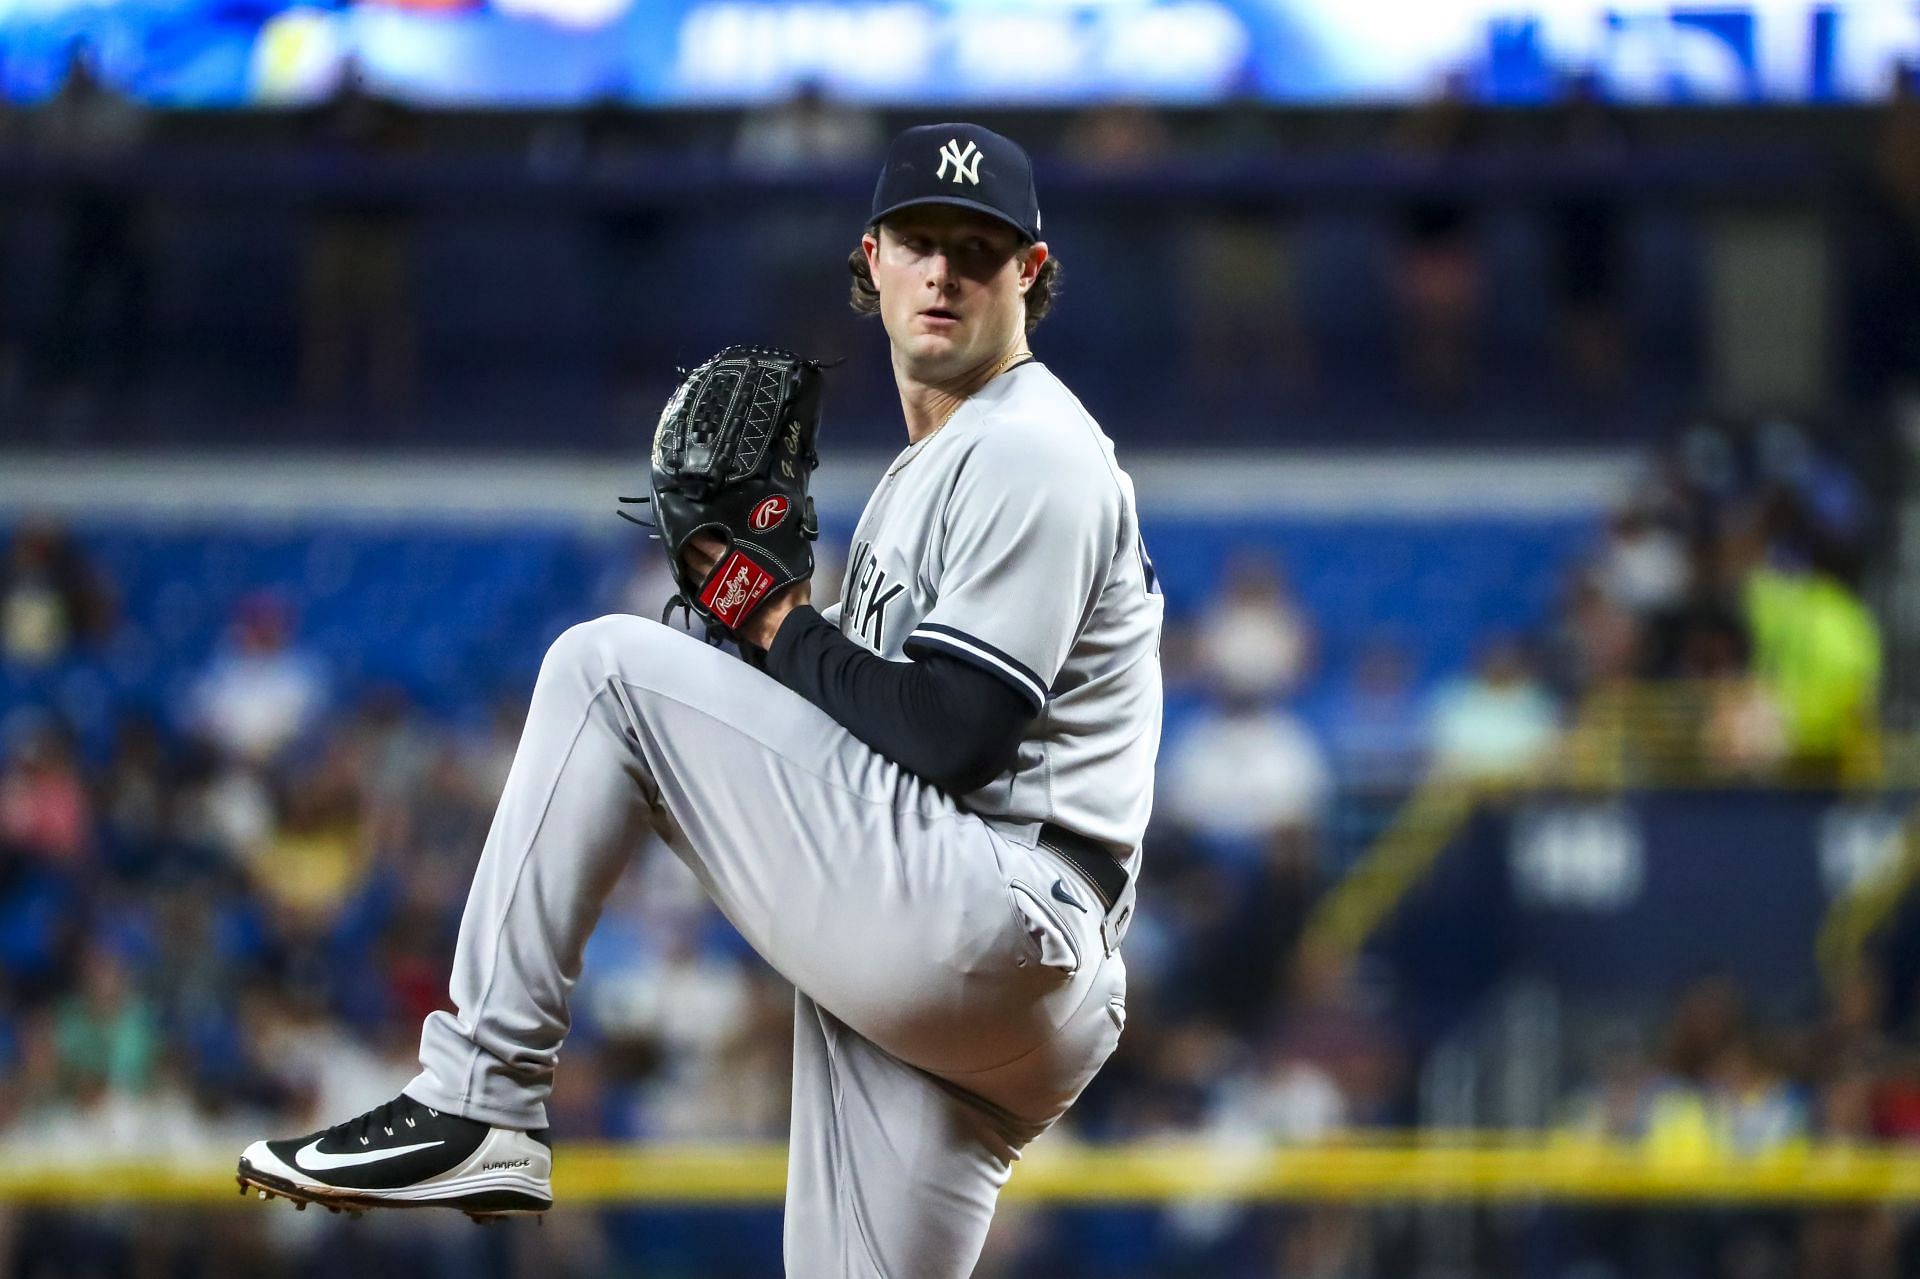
[697, 52]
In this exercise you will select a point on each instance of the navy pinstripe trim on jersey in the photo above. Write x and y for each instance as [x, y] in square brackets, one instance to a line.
[983, 655]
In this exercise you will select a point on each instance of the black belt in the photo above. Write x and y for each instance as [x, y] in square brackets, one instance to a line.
[1089, 858]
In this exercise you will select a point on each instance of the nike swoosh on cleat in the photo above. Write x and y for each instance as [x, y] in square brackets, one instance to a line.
[313, 1159]
[1060, 894]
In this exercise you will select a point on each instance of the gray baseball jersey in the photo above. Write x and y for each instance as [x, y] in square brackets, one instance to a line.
[957, 982]
[1009, 538]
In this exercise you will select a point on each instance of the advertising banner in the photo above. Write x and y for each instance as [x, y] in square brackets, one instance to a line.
[957, 52]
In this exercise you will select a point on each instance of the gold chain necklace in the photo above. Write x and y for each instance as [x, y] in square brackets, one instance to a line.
[914, 449]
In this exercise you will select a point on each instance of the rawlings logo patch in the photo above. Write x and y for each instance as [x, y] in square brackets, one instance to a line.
[735, 588]
[769, 513]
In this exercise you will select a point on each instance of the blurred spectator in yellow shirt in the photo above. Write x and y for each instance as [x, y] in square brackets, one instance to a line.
[1817, 650]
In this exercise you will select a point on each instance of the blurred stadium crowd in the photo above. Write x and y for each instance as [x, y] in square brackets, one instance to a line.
[226, 902]
[245, 773]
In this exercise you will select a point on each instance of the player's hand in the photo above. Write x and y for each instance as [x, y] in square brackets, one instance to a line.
[760, 626]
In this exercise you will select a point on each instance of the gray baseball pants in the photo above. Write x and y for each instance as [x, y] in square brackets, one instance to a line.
[950, 1006]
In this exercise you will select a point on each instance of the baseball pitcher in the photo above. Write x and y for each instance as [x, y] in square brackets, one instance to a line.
[923, 806]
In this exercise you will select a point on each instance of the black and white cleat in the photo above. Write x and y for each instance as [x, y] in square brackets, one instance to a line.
[406, 1155]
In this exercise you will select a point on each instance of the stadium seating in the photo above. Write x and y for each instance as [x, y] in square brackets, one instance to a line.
[458, 616]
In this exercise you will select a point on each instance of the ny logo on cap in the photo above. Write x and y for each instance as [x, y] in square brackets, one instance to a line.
[966, 162]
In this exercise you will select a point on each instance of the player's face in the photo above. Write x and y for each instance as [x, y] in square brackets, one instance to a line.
[952, 287]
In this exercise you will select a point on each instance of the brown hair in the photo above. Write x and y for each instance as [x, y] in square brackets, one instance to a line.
[864, 297]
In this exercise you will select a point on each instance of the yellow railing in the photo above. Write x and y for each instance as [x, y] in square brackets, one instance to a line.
[1398, 860]
[1654, 733]
[1643, 736]
[1459, 1168]
[1854, 917]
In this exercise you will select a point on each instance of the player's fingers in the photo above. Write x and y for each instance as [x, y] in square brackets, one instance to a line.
[704, 551]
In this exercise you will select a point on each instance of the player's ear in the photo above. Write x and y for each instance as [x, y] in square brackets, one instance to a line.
[1031, 262]
[870, 245]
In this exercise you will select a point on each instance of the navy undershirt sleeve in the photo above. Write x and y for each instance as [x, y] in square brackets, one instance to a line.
[943, 720]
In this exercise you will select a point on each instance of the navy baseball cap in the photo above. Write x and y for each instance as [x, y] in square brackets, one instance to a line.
[963, 165]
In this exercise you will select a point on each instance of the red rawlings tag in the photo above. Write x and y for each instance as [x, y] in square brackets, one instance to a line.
[731, 593]
[768, 513]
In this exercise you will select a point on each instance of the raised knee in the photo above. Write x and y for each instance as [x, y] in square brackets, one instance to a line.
[599, 647]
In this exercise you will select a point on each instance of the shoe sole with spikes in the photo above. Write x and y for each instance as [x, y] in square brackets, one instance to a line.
[484, 1207]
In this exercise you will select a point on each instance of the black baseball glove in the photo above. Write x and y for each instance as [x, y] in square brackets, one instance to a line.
[732, 457]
